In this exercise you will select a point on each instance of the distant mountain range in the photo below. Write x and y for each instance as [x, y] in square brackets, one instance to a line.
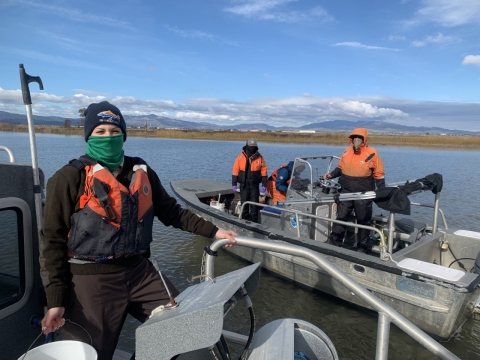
[154, 121]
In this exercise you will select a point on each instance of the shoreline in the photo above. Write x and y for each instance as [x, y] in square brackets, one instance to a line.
[337, 138]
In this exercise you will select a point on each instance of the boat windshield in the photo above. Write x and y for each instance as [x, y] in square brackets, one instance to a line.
[308, 170]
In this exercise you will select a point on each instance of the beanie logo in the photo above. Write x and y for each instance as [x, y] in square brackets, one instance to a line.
[108, 116]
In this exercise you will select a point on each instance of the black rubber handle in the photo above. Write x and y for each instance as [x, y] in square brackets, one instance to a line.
[26, 79]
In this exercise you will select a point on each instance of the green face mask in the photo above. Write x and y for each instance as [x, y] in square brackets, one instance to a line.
[107, 150]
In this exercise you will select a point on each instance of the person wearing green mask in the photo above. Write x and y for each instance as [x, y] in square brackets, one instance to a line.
[96, 235]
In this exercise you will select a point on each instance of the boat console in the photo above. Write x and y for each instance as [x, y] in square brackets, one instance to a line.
[195, 327]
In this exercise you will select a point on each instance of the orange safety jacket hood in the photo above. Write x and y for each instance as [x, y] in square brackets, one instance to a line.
[113, 221]
[360, 132]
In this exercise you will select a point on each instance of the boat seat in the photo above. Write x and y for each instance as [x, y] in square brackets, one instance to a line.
[410, 227]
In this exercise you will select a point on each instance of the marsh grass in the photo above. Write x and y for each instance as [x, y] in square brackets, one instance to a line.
[432, 141]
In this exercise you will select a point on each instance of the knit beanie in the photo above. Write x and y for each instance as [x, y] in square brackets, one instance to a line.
[103, 113]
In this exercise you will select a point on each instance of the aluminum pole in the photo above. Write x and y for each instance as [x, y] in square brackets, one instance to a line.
[11, 157]
[359, 290]
[435, 213]
[383, 335]
[25, 79]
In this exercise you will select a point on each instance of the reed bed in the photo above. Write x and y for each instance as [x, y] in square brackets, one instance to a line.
[432, 141]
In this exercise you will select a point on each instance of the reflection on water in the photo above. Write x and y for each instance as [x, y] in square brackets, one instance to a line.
[352, 331]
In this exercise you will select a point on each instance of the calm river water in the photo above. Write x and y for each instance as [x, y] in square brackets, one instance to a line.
[352, 331]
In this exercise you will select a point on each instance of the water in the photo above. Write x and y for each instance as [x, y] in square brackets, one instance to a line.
[352, 331]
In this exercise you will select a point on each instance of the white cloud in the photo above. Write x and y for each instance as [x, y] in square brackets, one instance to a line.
[53, 59]
[73, 14]
[200, 35]
[447, 13]
[471, 60]
[397, 38]
[269, 10]
[358, 45]
[291, 111]
[439, 39]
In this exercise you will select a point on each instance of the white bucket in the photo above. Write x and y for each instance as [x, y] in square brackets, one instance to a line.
[217, 205]
[62, 350]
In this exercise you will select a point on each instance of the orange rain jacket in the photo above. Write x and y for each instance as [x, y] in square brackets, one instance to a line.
[256, 173]
[273, 183]
[360, 171]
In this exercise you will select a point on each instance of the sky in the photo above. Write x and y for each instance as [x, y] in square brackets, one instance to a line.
[280, 62]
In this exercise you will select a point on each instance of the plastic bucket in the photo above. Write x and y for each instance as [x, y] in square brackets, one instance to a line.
[62, 350]
[217, 205]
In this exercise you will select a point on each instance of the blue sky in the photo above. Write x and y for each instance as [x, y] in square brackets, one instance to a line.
[282, 62]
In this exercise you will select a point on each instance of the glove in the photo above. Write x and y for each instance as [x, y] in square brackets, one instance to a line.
[264, 189]
[234, 188]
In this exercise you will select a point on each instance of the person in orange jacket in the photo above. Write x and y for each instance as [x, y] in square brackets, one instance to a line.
[279, 180]
[360, 169]
[249, 176]
[277, 183]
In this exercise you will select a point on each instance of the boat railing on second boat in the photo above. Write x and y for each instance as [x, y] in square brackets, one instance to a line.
[383, 252]
[386, 248]
[386, 314]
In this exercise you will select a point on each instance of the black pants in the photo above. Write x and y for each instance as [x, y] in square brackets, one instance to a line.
[363, 213]
[100, 303]
[250, 192]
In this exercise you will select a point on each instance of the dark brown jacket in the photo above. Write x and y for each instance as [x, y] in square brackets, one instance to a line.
[64, 189]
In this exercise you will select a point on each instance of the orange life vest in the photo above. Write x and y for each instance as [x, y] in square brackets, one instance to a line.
[113, 221]
[272, 188]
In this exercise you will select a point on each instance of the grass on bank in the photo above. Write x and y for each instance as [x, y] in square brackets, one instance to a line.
[433, 141]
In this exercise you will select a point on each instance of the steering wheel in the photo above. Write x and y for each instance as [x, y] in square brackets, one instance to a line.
[327, 185]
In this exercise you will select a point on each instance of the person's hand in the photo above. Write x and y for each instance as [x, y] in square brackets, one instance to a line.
[53, 320]
[234, 188]
[226, 234]
[327, 176]
[264, 189]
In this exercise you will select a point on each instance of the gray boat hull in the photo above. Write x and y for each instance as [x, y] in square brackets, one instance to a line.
[437, 306]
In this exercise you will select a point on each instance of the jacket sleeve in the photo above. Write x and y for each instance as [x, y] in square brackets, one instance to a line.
[282, 178]
[236, 167]
[336, 173]
[170, 213]
[264, 172]
[62, 197]
[378, 170]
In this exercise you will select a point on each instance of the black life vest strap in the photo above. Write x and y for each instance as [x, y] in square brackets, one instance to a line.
[369, 157]
[81, 162]
[100, 190]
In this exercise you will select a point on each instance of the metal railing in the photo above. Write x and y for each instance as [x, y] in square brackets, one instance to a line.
[299, 212]
[9, 152]
[384, 248]
[386, 313]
